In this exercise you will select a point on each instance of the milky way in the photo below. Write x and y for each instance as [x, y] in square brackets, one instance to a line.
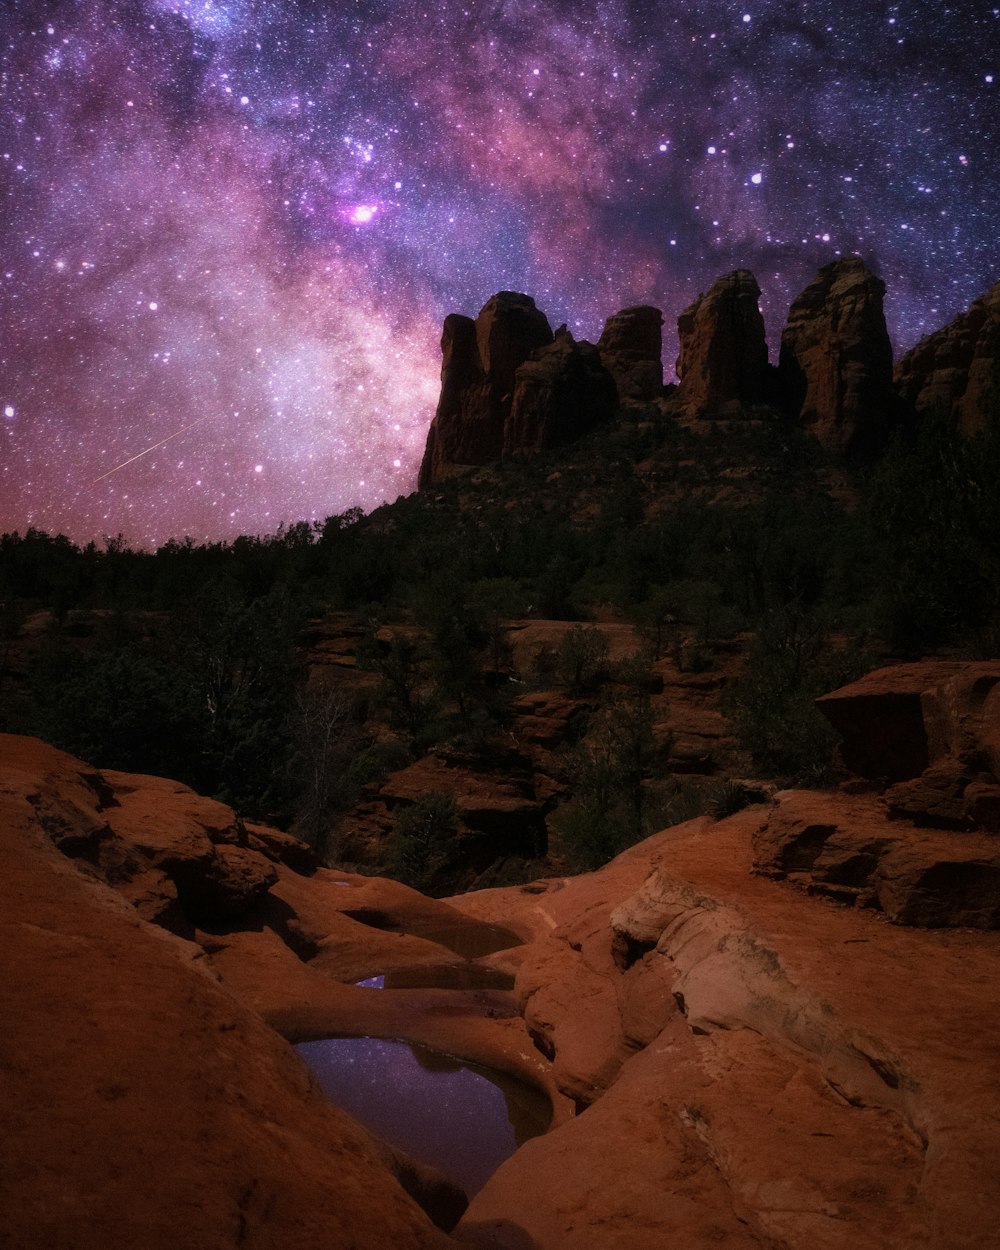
[233, 227]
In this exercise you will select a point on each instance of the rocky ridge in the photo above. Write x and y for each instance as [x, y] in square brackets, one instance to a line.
[834, 378]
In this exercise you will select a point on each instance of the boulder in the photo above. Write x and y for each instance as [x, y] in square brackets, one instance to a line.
[835, 368]
[723, 353]
[198, 843]
[178, 857]
[479, 361]
[561, 392]
[631, 349]
[954, 371]
[934, 800]
[895, 722]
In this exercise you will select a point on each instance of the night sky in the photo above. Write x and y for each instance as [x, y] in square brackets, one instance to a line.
[236, 225]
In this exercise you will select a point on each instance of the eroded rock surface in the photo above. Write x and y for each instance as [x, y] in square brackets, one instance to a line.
[750, 1065]
[480, 359]
[631, 349]
[561, 392]
[722, 364]
[836, 359]
[954, 371]
[143, 1103]
[870, 852]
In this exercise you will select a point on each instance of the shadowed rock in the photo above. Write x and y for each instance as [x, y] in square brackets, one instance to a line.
[956, 370]
[480, 359]
[561, 393]
[723, 352]
[836, 359]
[631, 349]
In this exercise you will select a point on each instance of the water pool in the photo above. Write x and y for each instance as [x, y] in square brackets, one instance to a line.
[458, 1117]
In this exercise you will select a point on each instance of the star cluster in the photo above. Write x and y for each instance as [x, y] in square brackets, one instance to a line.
[230, 229]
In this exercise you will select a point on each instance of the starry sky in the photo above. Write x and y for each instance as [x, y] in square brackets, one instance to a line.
[233, 227]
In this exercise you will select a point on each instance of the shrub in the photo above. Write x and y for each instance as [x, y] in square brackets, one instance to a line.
[424, 840]
[582, 657]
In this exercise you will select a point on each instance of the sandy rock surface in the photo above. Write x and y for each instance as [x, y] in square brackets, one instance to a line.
[817, 1076]
[144, 1105]
[732, 1057]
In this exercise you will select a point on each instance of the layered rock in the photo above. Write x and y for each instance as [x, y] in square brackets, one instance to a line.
[859, 852]
[835, 368]
[631, 349]
[924, 851]
[956, 370]
[723, 352]
[480, 359]
[498, 807]
[561, 392]
[760, 1068]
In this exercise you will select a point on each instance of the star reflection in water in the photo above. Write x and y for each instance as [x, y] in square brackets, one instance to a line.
[442, 1112]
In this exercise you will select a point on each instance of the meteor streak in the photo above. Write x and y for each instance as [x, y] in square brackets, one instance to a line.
[140, 454]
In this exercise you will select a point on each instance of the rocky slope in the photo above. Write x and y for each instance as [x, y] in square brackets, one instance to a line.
[743, 1038]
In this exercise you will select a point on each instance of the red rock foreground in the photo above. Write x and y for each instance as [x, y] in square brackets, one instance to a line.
[750, 1065]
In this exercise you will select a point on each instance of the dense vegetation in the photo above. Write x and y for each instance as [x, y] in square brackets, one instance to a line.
[195, 668]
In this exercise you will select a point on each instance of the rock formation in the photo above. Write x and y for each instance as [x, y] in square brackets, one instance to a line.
[836, 359]
[144, 1104]
[480, 359]
[509, 389]
[757, 1067]
[956, 370]
[896, 722]
[631, 349]
[924, 851]
[561, 392]
[723, 352]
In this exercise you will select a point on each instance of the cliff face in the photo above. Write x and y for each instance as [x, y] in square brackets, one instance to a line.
[836, 359]
[479, 361]
[723, 352]
[956, 370]
[631, 349]
[509, 389]
[560, 393]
